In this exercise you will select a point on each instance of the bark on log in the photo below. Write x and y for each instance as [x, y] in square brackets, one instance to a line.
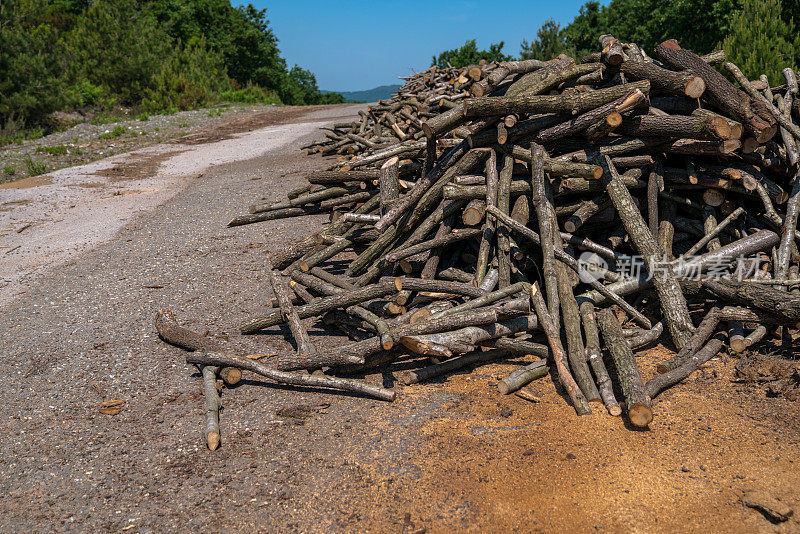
[595, 358]
[445, 344]
[665, 81]
[637, 402]
[342, 300]
[584, 120]
[676, 127]
[719, 91]
[673, 303]
[661, 382]
[569, 104]
[576, 350]
[756, 242]
[212, 404]
[295, 379]
[291, 252]
[698, 339]
[389, 186]
[572, 263]
[545, 214]
[281, 291]
[522, 377]
[553, 339]
[474, 358]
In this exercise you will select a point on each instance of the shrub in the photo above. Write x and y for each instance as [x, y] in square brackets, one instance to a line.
[34, 167]
[758, 42]
[55, 150]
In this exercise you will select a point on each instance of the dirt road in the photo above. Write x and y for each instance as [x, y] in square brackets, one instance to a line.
[76, 329]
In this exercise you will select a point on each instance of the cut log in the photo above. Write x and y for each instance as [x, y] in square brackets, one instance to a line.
[637, 402]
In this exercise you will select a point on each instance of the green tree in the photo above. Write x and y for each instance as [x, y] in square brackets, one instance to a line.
[761, 42]
[117, 48]
[698, 25]
[470, 55]
[547, 45]
[31, 84]
[241, 34]
[581, 34]
[304, 89]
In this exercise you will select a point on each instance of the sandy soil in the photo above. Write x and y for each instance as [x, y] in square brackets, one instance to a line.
[444, 456]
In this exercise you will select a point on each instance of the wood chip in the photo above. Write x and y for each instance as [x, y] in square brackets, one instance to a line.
[110, 411]
[261, 355]
[526, 394]
[116, 402]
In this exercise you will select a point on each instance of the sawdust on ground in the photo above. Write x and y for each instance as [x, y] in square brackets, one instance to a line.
[544, 469]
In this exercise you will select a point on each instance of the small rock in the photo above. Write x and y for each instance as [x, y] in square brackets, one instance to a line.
[506, 412]
[773, 509]
[571, 456]
[685, 469]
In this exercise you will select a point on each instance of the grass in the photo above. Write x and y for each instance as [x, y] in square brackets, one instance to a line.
[9, 170]
[56, 150]
[104, 118]
[35, 167]
[214, 112]
[143, 117]
[116, 132]
[19, 136]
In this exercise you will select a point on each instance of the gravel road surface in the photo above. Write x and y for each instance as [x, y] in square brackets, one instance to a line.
[76, 330]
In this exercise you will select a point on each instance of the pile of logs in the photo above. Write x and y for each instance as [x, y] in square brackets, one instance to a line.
[569, 212]
[398, 123]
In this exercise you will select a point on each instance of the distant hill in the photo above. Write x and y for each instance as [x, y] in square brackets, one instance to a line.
[369, 95]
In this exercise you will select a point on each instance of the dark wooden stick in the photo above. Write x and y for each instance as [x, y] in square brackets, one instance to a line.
[489, 225]
[342, 300]
[545, 214]
[637, 403]
[170, 331]
[594, 355]
[504, 205]
[212, 404]
[554, 340]
[232, 360]
[440, 241]
[673, 303]
[473, 358]
[419, 189]
[655, 185]
[572, 263]
[572, 332]
[281, 291]
[701, 335]
[788, 229]
[291, 252]
[661, 382]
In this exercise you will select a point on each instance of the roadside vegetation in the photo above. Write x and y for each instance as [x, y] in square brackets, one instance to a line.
[99, 57]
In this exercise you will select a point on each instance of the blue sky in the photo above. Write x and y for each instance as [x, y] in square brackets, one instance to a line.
[352, 45]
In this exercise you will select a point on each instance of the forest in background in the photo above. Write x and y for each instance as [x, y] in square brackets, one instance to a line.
[169, 55]
[149, 55]
[760, 36]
